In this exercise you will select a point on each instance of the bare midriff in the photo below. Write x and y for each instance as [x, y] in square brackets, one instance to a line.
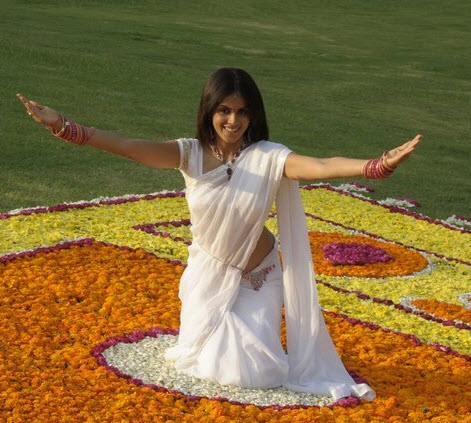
[264, 246]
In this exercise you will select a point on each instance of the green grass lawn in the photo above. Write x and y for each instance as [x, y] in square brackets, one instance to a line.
[339, 78]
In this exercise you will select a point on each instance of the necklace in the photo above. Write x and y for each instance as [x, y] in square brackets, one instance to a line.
[217, 153]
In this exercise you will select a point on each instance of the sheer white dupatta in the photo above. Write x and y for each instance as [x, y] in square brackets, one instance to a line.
[314, 365]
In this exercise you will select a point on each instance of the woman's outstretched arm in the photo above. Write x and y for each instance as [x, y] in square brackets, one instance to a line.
[306, 168]
[150, 153]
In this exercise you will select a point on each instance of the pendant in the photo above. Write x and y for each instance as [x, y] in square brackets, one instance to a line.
[217, 153]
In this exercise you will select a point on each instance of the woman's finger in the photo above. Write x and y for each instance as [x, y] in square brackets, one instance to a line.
[39, 106]
[416, 140]
[401, 153]
[33, 113]
[36, 110]
[29, 109]
[412, 142]
[25, 102]
[29, 104]
[22, 98]
[409, 145]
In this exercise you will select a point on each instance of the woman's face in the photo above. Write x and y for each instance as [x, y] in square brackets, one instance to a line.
[230, 121]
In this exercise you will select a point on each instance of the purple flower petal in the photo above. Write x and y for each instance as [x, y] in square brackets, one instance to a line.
[353, 253]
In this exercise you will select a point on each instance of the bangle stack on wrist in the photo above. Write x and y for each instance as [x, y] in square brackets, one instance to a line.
[377, 168]
[70, 131]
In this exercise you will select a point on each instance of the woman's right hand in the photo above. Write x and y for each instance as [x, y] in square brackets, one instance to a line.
[40, 113]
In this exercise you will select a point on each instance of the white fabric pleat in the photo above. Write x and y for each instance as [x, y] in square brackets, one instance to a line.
[314, 365]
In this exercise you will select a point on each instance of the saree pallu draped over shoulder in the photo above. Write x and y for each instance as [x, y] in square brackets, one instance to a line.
[227, 218]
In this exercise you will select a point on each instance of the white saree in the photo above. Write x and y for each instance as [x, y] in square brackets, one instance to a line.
[227, 219]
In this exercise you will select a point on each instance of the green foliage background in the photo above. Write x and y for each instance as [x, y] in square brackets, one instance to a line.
[339, 78]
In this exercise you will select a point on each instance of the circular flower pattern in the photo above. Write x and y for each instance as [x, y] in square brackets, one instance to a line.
[354, 251]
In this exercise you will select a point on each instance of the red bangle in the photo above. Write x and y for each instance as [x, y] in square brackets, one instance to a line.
[377, 168]
[71, 132]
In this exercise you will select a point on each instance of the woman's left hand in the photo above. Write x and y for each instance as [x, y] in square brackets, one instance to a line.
[399, 154]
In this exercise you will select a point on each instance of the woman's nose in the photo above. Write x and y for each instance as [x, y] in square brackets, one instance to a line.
[232, 118]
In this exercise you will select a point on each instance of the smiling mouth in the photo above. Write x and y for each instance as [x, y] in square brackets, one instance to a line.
[231, 129]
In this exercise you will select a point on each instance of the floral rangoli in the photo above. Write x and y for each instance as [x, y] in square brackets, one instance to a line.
[89, 302]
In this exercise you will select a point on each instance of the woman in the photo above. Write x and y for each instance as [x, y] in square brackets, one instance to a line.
[233, 287]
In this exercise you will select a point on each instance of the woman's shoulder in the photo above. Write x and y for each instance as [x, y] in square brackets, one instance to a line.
[267, 146]
[188, 140]
[190, 144]
[190, 151]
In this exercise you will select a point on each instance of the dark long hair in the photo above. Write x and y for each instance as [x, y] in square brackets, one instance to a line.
[221, 84]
